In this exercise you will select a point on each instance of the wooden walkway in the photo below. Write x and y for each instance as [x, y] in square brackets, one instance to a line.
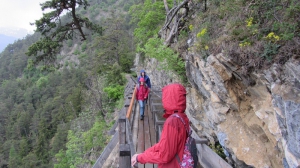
[135, 135]
[145, 133]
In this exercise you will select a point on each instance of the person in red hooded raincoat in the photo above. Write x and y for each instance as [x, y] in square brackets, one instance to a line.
[171, 144]
[141, 95]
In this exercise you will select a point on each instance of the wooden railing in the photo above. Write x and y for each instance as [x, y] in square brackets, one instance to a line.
[127, 148]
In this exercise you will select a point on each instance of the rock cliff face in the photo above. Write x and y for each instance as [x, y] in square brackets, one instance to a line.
[258, 125]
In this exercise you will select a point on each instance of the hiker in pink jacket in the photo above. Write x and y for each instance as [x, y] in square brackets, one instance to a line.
[170, 148]
[142, 95]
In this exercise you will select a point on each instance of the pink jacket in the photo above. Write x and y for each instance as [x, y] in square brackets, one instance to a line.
[142, 92]
[174, 135]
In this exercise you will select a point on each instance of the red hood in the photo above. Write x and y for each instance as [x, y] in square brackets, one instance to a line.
[173, 99]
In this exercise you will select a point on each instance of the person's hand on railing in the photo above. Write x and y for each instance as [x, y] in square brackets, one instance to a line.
[134, 160]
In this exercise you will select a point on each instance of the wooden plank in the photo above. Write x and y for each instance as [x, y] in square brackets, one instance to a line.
[135, 126]
[155, 100]
[122, 130]
[151, 127]
[152, 130]
[141, 140]
[129, 137]
[147, 135]
[146, 130]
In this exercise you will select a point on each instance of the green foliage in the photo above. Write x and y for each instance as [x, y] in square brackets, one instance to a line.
[74, 100]
[119, 105]
[115, 48]
[254, 34]
[42, 82]
[270, 49]
[114, 75]
[83, 46]
[155, 48]
[114, 92]
[287, 29]
[14, 158]
[81, 142]
[60, 138]
[70, 42]
[55, 31]
[293, 10]
[74, 150]
[61, 159]
[24, 147]
[95, 136]
[183, 35]
[147, 17]
[94, 11]
[48, 47]
[133, 74]
[39, 103]
[31, 160]
[66, 63]
[76, 52]
[217, 148]
[202, 41]
[126, 7]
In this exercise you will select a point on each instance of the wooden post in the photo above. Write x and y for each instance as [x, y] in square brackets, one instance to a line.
[125, 156]
[124, 148]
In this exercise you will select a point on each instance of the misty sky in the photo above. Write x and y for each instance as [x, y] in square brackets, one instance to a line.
[19, 13]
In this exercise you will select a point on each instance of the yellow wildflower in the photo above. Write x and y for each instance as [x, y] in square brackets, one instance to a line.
[273, 37]
[249, 22]
[191, 27]
[244, 44]
[202, 33]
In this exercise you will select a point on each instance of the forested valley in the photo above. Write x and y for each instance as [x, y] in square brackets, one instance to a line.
[61, 88]
[58, 115]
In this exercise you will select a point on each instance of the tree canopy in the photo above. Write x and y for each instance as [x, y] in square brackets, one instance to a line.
[54, 30]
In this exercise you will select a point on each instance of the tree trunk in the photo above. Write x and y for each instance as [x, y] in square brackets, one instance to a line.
[76, 21]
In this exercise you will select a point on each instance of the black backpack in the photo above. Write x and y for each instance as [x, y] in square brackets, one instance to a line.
[190, 151]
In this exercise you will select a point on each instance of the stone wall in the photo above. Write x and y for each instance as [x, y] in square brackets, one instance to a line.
[258, 125]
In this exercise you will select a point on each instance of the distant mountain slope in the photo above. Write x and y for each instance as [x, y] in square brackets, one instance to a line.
[5, 40]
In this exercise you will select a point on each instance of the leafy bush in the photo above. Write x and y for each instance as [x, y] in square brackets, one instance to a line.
[155, 48]
[76, 52]
[70, 42]
[147, 17]
[270, 49]
[42, 82]
[115, 92]
[95, 136]
[83, 46]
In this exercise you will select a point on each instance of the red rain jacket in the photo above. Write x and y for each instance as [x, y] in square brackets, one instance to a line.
[141, 92]
[173, 135]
